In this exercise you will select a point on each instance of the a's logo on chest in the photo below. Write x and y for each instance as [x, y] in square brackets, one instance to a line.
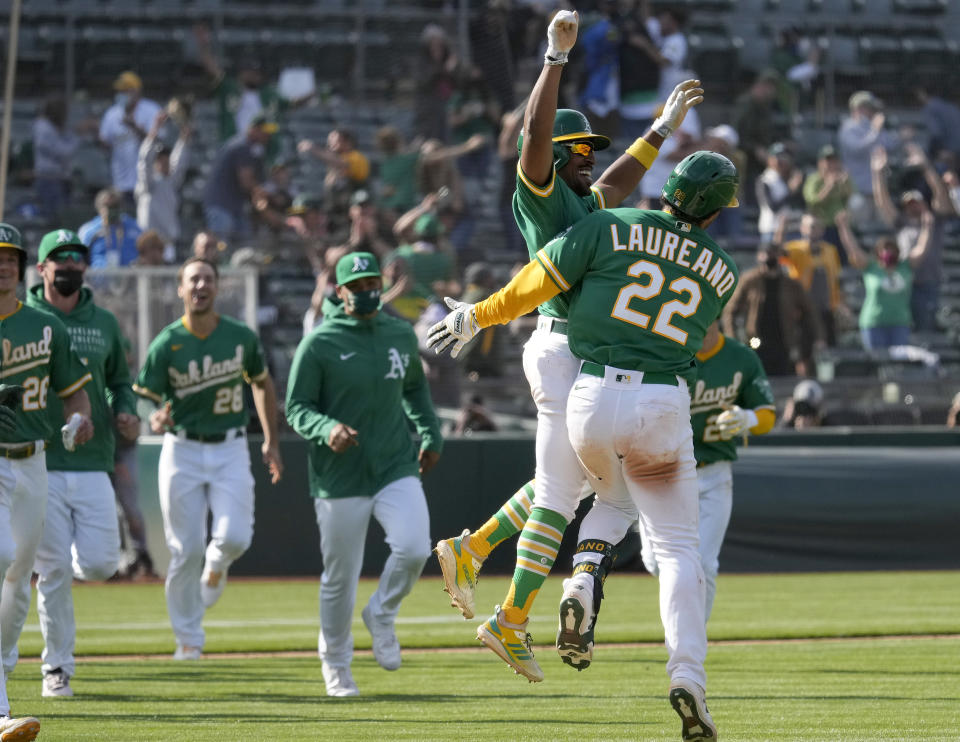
[398, 364]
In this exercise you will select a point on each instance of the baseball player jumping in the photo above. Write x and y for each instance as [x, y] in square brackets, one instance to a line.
[80, 535]
[195, 371]
[650, 284]
[554, 190]
[731, 396]
[36, 362]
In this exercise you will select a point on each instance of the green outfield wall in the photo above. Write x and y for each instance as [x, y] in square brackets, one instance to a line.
[817, 501]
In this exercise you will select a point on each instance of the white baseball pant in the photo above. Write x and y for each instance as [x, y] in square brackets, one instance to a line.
[23, 499]
[635, 443]
[715, 482]
[401, 510]
[80, 539]
[196, 478]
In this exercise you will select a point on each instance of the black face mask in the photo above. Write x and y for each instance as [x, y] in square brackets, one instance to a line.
[67, 282]
[772, 261]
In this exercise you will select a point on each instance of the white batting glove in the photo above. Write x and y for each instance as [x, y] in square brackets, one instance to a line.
[561, 36]
[732, 422]
[459, 327]
[684, 97]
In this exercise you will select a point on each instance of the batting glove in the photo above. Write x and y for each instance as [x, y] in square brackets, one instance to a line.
[561, 36]
[734, 421]
[459, 327]
[684, 97]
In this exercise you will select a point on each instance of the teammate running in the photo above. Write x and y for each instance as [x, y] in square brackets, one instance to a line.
[650, 284]
[195, 371]
[36, 362]
[81, 535]
[554, 190]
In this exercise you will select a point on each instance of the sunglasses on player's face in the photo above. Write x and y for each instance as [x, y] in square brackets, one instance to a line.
[581, 148]
[62, 256]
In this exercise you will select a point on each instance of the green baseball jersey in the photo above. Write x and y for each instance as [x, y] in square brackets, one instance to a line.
[732, 375]
[38, 357]
[542, 213]
[202, 377]
[365, 373]
[95, 336]
[649, 287]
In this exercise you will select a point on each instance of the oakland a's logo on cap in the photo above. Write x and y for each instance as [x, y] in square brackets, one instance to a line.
[63, 236]
[359, 264]
[6, 235]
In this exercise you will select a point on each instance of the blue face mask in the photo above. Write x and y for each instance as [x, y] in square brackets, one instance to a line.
[363, 302]
[121, 99]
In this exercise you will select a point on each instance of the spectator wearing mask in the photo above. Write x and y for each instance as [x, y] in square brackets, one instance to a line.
[885, 314]
[160, 173]
[776, 316]
[753, 120]
[941, 120]
[814, 262]
[827, 190]
[778, 190]
[804, 408]
[235, 180]
[112, 235]
[859, 134]
[53, 148]
[909, 222]
[123, 127]
[307, 220]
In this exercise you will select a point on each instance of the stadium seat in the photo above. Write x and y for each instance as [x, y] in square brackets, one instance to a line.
[895, 415]
[917, 7]
[845, 416]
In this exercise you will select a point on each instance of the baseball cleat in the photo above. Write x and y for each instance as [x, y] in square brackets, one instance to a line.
[688, 701]
[56, 685]
[386, 648]
[24, 729]
[211, 586]
[187, 653]
[339, 681]
[575, 632]
[460, 569]
[511, 642]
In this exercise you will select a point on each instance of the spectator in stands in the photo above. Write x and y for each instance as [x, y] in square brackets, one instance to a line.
[724, 140]
[885, 314]
[366, 233]
[815, 263]
[347, 171]
[122, 128]
[639, 72]
[859, 134]
[941, 120]
[474, 417]
[235, 180]
[483, 356]
[441, 178]
[804, 408]
[472, 111]
[278, 188]
[160, 174]
[112, 234]
[909, 221]
[797, 58]
[753, 119]
[150, 249]
[307, 219]
[53, 148]
[778, 190]
[430, 265]
[666, 29]
[953, 415]
[207, 246]
[603, 62]
[776, 316]
[435, 76]
[510, 126]
[827, 190]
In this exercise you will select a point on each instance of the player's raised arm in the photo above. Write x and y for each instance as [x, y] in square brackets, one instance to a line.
[536, 153]
[619, 180]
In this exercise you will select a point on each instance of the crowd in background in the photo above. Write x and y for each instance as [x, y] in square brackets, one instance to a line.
[878, 200]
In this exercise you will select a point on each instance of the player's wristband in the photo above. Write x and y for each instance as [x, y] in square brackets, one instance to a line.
[643, 152]
[556, 58]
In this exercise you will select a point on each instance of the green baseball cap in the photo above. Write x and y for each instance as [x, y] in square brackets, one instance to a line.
[10, 236]
[57, 239]
[356, 265]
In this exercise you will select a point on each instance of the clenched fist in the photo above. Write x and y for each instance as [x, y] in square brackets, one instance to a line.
[561, 36]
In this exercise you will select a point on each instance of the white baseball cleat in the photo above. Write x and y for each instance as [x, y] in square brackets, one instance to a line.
[211, 586]
[339, 681]
[575, 632]
[687, 699]
[56, 684]
[24, 729]
[386, 647]
[187, 653]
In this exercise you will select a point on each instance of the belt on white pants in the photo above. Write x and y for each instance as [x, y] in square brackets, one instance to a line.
[630, 377]
[553, 324]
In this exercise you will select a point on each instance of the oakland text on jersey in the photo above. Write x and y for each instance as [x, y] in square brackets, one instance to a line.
[28, 355]
[663, 243]
[205, 374]
[703, 399]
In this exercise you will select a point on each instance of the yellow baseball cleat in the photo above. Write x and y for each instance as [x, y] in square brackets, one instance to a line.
[460, 569]
[511, 642]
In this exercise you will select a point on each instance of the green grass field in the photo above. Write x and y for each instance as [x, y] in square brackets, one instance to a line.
[859, 659]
